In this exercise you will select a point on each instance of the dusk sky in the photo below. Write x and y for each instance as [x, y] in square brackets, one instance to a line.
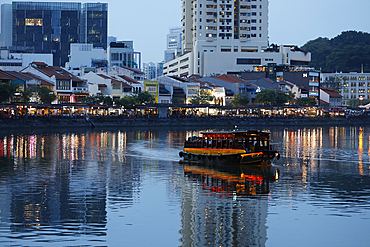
[147, 22]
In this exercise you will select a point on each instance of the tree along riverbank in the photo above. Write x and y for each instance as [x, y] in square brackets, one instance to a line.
[242, 123]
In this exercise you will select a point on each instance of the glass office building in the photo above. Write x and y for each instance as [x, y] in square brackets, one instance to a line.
[50, 27]
[94, 21]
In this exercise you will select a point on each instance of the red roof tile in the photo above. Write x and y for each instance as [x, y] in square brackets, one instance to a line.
[18, 75]
[129, 79]
[133, 70]
[109, 78]
[43, 82]
[269, 80]
[40, 63]
[230, 78]
[332, 93]
[104, 76]
[50, 72]
[115, 80]
[4, 75]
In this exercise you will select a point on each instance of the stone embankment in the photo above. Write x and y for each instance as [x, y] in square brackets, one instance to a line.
[57, 123]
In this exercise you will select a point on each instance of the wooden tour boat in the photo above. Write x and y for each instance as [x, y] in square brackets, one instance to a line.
[230, 147]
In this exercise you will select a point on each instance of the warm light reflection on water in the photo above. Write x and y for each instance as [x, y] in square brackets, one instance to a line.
[105, 187]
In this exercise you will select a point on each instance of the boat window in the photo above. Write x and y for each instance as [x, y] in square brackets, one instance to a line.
[209, 142]
[219, 143]
[224, 143]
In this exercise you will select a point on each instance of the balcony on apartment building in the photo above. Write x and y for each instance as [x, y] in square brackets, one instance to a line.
[80, 87]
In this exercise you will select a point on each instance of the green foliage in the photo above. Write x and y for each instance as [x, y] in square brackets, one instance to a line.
[99, 99]
[347, 52]
[26, 95]
[144, 98]
[309, 101]
[290, 96]
[203, 97]
[45, 94]
[271, 97]
[127, 102]
[240, 100]
[178, 101]
[7, 91]
[357, 102]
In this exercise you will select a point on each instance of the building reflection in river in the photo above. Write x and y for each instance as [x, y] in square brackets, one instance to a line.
[221, 207]
[336, 143]
[62, 179]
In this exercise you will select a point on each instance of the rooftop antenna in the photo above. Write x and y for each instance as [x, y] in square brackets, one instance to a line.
[362, 68]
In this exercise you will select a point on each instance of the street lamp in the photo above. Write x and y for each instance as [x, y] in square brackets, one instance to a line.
[361, 98]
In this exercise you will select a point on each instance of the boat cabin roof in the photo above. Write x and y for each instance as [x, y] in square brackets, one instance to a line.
[235, 133]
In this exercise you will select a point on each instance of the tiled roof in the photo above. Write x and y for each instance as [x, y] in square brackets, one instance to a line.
[269, 80]
[129, 79]
[50, 72]
[230, 78]
[178, 78]
[104, 76]
[195, 77]
[40, 63]
[4, 75]
[43, 82]
[133, 70]
[109, 78]
[56, 71]
[331, 92]
[234, 79]
[115, 80]
[19, 75]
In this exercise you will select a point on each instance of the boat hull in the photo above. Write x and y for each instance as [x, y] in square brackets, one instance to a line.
[253, 158]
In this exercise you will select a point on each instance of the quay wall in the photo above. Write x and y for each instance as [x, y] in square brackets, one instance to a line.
[101, 123]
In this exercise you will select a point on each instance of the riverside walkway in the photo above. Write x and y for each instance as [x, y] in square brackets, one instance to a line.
[104, 122]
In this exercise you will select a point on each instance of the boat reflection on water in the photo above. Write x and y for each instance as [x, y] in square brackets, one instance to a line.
[228, 205]
[237, 180]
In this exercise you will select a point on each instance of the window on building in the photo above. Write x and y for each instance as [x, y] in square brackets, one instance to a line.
[256, 61]
[29, 22]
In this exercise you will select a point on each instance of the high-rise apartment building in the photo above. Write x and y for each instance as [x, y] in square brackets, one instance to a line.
[152, 70]
[223, 36]
[173, 45]
[225, 25]
[50, 27]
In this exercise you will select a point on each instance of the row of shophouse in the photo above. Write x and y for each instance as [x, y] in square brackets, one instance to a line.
[121, 81]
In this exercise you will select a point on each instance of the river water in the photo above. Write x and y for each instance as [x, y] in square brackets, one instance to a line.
[126, 187]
